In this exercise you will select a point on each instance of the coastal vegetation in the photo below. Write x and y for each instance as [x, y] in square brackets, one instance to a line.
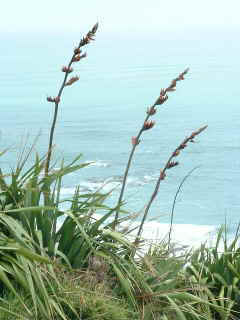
[75, 258]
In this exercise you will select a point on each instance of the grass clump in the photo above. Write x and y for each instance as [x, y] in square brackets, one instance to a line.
[76, 300]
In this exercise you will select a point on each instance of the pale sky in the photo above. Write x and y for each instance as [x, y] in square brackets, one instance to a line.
[120, 15]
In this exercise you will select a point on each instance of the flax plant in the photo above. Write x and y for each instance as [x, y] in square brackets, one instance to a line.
[27, 275]
[169, 164]
[76, 57]
[147, 124]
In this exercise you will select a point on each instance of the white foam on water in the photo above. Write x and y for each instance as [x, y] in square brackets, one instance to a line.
[93, 185]
[98, 163]
[108, 184]
[67, 191]
[105, 186]
[134, 181]
[149, 178]
[182, 234]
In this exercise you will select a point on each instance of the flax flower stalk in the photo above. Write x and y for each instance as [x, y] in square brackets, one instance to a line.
[147, 124]
[169, 164]
[77, 56]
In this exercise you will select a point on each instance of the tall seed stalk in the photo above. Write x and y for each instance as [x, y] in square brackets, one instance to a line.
[76, 57]
[169, 164]
[147, 124]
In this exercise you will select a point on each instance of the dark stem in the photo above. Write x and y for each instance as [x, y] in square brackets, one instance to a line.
[174, 203]
[49, 153]
[155, 192]
[126, 173]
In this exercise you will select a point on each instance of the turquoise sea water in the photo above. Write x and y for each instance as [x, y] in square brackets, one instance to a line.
[98, 116]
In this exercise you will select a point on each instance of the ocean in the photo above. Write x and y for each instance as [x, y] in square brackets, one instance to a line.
[98, 115]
